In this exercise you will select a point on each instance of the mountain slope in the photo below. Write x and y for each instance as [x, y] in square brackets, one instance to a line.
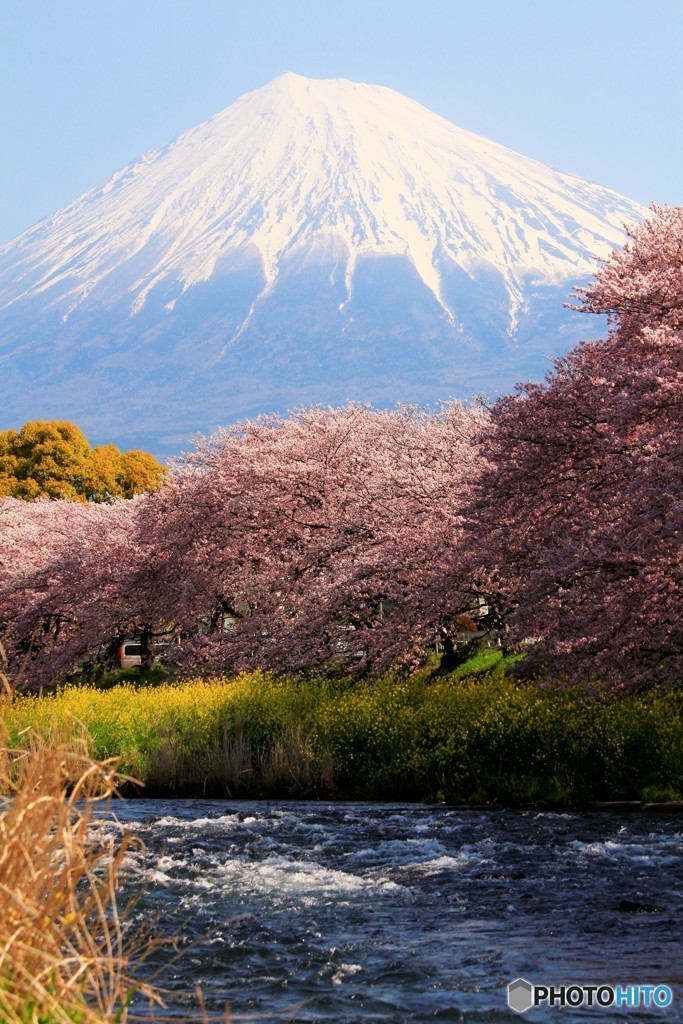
[315, 241]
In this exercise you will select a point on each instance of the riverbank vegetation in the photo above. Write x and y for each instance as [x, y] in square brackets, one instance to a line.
[70, 952]
[476, 739]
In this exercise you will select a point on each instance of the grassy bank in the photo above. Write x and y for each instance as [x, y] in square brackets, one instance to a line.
[463, 740]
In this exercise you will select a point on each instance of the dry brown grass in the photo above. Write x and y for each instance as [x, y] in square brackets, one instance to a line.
[68, 952]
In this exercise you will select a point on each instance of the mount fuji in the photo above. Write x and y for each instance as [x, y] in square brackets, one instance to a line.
[317, 241]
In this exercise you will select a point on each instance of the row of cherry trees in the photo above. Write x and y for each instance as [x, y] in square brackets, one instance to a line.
[332, 536]
[355, 536]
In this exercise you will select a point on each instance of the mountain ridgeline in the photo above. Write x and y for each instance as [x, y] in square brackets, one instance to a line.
[317, 241]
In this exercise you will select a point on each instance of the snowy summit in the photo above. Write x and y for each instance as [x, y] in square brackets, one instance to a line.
[315, 235]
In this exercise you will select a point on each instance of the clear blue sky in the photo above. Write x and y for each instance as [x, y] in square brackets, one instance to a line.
[594, 87]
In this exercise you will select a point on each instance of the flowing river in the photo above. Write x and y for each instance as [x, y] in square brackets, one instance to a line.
[358, 913]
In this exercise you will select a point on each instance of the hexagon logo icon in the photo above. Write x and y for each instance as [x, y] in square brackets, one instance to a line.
[520, 995]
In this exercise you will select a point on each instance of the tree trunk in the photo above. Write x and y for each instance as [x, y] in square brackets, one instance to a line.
[148, 654]
[449, 658]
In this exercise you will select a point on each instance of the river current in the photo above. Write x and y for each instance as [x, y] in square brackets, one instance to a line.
[357, 913]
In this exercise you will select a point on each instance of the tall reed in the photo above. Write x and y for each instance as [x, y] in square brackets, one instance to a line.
[68, 952]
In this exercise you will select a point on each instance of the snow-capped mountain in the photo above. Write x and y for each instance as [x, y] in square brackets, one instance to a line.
[315, 241]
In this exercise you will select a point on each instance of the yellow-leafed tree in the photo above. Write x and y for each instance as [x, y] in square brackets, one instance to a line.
[52, 458]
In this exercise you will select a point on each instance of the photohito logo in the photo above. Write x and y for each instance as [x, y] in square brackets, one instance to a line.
[522, 995]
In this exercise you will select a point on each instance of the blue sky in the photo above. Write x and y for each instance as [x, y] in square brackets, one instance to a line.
[594, 87]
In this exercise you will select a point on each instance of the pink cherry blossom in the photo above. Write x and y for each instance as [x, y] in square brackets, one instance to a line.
[583, 506]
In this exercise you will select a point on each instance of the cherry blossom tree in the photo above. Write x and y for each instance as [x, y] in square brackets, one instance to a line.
[582, 503]
[67, 576]
[332, 535]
